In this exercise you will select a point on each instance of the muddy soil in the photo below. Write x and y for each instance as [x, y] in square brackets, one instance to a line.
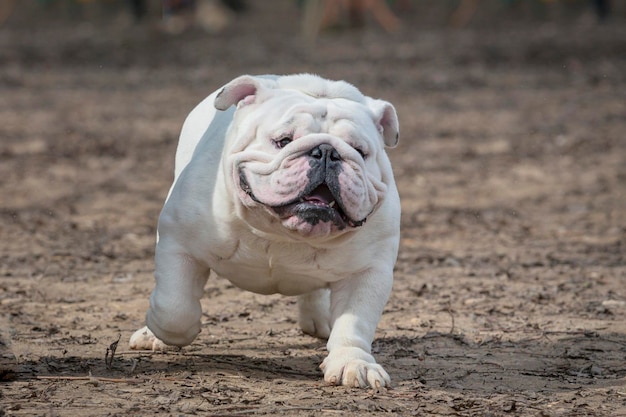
[510, 287]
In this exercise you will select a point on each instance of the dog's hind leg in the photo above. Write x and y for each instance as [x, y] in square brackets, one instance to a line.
[314, 310]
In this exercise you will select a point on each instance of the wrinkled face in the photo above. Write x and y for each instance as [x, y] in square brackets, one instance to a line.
[309, 164]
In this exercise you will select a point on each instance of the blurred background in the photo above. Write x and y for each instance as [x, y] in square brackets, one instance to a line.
[495, 97]
[511, 169]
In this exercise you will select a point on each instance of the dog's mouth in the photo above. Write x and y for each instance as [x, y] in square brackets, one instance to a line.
[320, 204]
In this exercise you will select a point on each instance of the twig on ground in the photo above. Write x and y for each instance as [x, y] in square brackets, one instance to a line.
[108, 360]
[452, 318]
[103, 379]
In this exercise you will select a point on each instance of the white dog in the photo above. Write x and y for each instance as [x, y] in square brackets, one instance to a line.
[286, 188]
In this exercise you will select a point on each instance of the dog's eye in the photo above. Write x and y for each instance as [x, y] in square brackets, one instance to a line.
[282, 142]
[361, 152]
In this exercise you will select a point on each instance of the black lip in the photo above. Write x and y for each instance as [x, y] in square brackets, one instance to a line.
[314, 213]
[315, 210]
[245, 187]
[310, 212]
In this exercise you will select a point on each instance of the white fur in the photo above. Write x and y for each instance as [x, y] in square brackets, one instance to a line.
[316, 86]
[343, 277]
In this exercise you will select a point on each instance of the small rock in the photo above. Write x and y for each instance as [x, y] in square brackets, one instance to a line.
[613, 303]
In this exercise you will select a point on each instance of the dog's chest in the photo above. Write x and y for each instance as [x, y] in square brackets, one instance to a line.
[278, 268]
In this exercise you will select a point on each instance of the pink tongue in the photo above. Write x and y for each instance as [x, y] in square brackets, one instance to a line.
[321, 195]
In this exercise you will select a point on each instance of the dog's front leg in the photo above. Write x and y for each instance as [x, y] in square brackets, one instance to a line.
[356, 306]
[175, 310]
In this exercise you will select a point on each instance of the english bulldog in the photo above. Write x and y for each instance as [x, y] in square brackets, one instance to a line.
[282, 185]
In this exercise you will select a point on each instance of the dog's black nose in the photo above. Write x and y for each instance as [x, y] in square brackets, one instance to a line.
[325, 152]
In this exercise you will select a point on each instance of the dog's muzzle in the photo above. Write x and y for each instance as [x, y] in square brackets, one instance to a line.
[320, 201]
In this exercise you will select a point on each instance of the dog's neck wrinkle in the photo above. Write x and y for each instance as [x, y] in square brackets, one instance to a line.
[293, 238]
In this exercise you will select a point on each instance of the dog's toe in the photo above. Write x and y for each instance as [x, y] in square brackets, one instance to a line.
[354, 367]
[144, 339]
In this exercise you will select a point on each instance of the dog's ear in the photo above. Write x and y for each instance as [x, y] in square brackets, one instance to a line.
[241, 91]
[386, 120]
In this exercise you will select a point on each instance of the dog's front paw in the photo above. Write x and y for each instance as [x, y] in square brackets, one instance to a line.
[353, 367]
[144, 339]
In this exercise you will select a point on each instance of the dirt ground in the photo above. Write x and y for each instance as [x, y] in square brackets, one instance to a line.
[510, 287]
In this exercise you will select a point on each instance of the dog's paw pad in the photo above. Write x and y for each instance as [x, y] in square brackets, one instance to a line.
[144, 339]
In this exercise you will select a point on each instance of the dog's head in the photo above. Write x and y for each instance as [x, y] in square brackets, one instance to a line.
[307, 153]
